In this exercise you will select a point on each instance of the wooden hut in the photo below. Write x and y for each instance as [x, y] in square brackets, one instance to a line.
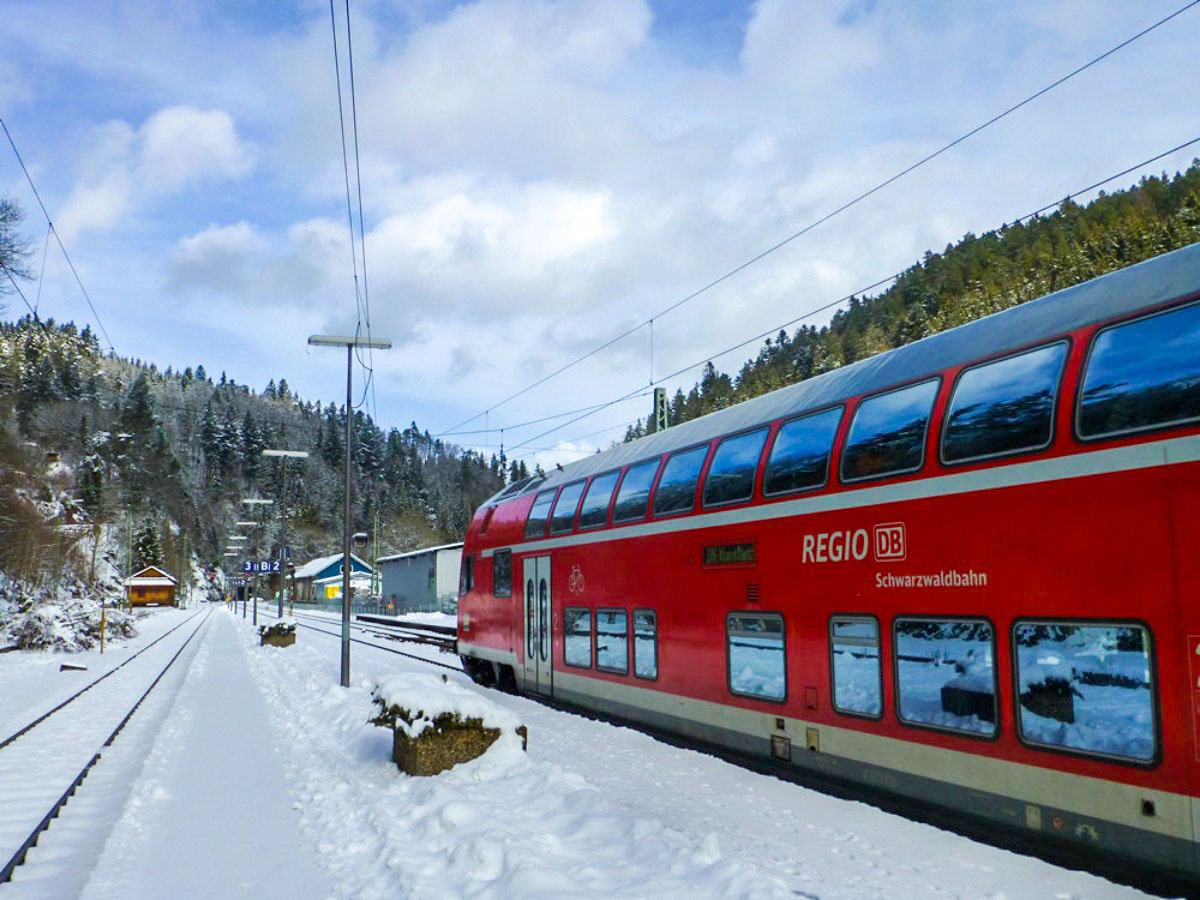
[150, 587]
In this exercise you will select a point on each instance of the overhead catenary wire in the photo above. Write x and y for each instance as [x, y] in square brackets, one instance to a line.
[58, 239]
[860, 292]
[838, 211]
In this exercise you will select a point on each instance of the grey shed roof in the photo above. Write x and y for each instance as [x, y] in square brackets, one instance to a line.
[414, 553]
[1126, 291]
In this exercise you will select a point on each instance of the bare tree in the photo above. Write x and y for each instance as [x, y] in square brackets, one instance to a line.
[14, 247]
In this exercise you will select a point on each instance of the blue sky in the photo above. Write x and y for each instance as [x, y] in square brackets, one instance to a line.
[539, 176]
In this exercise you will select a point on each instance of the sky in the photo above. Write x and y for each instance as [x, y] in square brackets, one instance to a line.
[539, 177]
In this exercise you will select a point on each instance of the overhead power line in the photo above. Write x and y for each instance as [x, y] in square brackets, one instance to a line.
[858, 293]
[836, 212]
[58, 239]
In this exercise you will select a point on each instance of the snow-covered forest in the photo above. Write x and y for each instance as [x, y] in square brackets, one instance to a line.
[107, 462]
[976, 277]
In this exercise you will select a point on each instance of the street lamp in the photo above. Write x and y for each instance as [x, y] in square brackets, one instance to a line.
[349, 342]
[283, 562]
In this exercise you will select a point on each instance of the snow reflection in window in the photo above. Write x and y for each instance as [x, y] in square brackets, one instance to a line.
[857, 686]
[645, 643]
[612, 640]
[946, 674]
[577, 637]
[756, 656]
[1086, 687]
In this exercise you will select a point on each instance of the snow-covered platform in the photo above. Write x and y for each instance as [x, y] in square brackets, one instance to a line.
[252, 774]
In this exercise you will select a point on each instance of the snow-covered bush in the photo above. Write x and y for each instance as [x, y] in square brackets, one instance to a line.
[61, 618]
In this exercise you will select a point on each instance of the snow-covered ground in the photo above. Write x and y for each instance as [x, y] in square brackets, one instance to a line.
[253, 774]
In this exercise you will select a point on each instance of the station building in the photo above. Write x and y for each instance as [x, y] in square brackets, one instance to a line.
[422, 580]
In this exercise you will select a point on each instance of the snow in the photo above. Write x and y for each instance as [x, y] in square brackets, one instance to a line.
[249, 772]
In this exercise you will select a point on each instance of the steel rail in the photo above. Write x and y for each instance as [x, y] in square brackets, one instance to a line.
[30, 842]
[42, 718]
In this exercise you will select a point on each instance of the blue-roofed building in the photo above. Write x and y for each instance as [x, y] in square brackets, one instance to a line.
[321, 578]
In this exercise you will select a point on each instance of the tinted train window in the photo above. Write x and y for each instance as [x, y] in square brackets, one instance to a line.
[1087, 688]
[634, 494]
[645, 643]
[577, 637]
[757, 656]
[594, 511]
[1004, 406]
[563, 518]
[676, 491]
[612, 640]
[799, 457]
[887, 436]
[1143, 374]
[857, 678]
[730, 478]
[535, 525]
[466, 574]
[502, 573]
[946, 674]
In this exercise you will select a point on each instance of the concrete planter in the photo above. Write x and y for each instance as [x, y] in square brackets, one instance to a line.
[278, 640]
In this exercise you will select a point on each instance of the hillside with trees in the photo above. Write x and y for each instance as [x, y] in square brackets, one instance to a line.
[975, 277]
[112, 456]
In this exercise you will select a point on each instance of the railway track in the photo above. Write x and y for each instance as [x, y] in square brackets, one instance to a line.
[372, 630]
[79, 693]
[54, 746]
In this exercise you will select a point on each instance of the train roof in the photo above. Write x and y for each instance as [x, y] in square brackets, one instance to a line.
[1119, 293]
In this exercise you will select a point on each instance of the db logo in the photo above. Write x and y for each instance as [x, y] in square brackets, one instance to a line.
[575, 581]
[890, 543]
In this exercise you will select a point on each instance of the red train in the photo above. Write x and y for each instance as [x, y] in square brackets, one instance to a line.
[963, 571]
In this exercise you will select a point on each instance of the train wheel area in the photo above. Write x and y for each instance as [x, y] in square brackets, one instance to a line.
[259, 775]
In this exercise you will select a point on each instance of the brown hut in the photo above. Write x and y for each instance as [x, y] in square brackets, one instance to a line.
[150, 587]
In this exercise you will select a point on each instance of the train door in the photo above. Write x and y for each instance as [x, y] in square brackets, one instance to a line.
[539, 623]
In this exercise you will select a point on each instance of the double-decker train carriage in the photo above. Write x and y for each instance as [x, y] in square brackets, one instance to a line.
[963, 571]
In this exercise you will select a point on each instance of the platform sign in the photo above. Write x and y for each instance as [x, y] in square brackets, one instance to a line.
[1194, 673]
[260, 565]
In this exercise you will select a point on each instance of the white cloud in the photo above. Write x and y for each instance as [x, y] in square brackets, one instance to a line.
[540, 175]
[181, 144]
[124, 170]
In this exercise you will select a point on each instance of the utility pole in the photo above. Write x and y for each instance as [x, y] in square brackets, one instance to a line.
[330, 340]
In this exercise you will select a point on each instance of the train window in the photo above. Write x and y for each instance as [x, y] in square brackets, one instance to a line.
[577, 637]
[502, 573]
[946, 674]
[645, 643]
[1005, 406]
[634, 494]
[612, 640]
[676, 491]
[887, 436]
[799, 457]
[857, 675]
[1142, 374]
[757, 655]
[563, 517]
[594, 512]
[535, 525]
[730, 478]
[1087, 688]
[466, 575]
